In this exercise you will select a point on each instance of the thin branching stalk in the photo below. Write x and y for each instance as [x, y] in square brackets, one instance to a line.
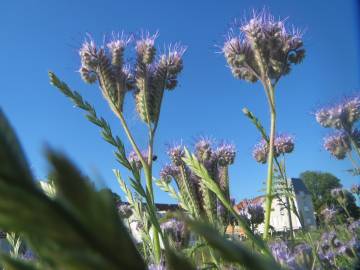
[269, 181]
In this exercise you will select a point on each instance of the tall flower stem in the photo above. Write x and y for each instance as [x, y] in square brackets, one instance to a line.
[356, 166]
[288, 206]
[354, 145]
[269, 182]
[147, 166]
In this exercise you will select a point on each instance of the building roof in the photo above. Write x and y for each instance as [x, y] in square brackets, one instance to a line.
[297, 183]
[244, 203]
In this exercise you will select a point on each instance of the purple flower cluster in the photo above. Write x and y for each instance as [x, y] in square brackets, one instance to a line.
[225, 154]
[283, 144]
[262, 41]
[145, 48]
[253, 213]
[329, 215]
[107, 67]
[340, 116]
[176, 230]
[260, 151]
[204, 151]
[332, 248]
[134, 158]
[168, 172]
[338, 144]
[106, 64]
[300, 258]
[176, 153]
[216, 162]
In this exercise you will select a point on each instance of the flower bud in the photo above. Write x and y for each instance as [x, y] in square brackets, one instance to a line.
[284, 144]
[337, 144]
[176, 153]
[87, 75]
[145, 48]
[225, 154]
[260, 152]
[169, 172]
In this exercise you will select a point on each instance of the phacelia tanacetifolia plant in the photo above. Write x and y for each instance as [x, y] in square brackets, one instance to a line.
[148, 79]
[264, 50]
[342, 117]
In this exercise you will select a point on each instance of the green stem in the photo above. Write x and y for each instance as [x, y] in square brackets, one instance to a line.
[147, 166]
[288, 208]
[356, 166]
[269, 181]
[132, 141]
[354, 145]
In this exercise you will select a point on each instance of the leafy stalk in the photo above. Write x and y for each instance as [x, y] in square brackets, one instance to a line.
[201, 172]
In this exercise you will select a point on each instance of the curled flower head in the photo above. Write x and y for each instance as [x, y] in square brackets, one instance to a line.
[263, 40]
[106, 66]
[338, 144]
[134, 159]
[176, 153]
[89, 61]
[340, 116]
[225, 154]
[203, 149]
[89, 54]
[352, 106]
[117, 47]
[145, 48]
[260, 152]
[284, 144]
[168, 172]
[171, 64]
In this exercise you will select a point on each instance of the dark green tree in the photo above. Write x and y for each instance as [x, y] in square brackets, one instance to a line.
[320, 185]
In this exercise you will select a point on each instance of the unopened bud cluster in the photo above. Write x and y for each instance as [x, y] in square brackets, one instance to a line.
[343, 117]
[150, 76]
[264, 47]
[215, 160]
[340, 116]
[283, 144]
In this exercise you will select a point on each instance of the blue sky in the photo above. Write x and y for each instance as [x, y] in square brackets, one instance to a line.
[38, 36]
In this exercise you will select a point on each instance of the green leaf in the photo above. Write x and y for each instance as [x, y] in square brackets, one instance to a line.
[14, 168]
[91, 115]
[77, 229]
[231, 251]
[256, 122]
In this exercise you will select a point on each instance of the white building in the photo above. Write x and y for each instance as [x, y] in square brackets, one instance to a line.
[279, 219]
